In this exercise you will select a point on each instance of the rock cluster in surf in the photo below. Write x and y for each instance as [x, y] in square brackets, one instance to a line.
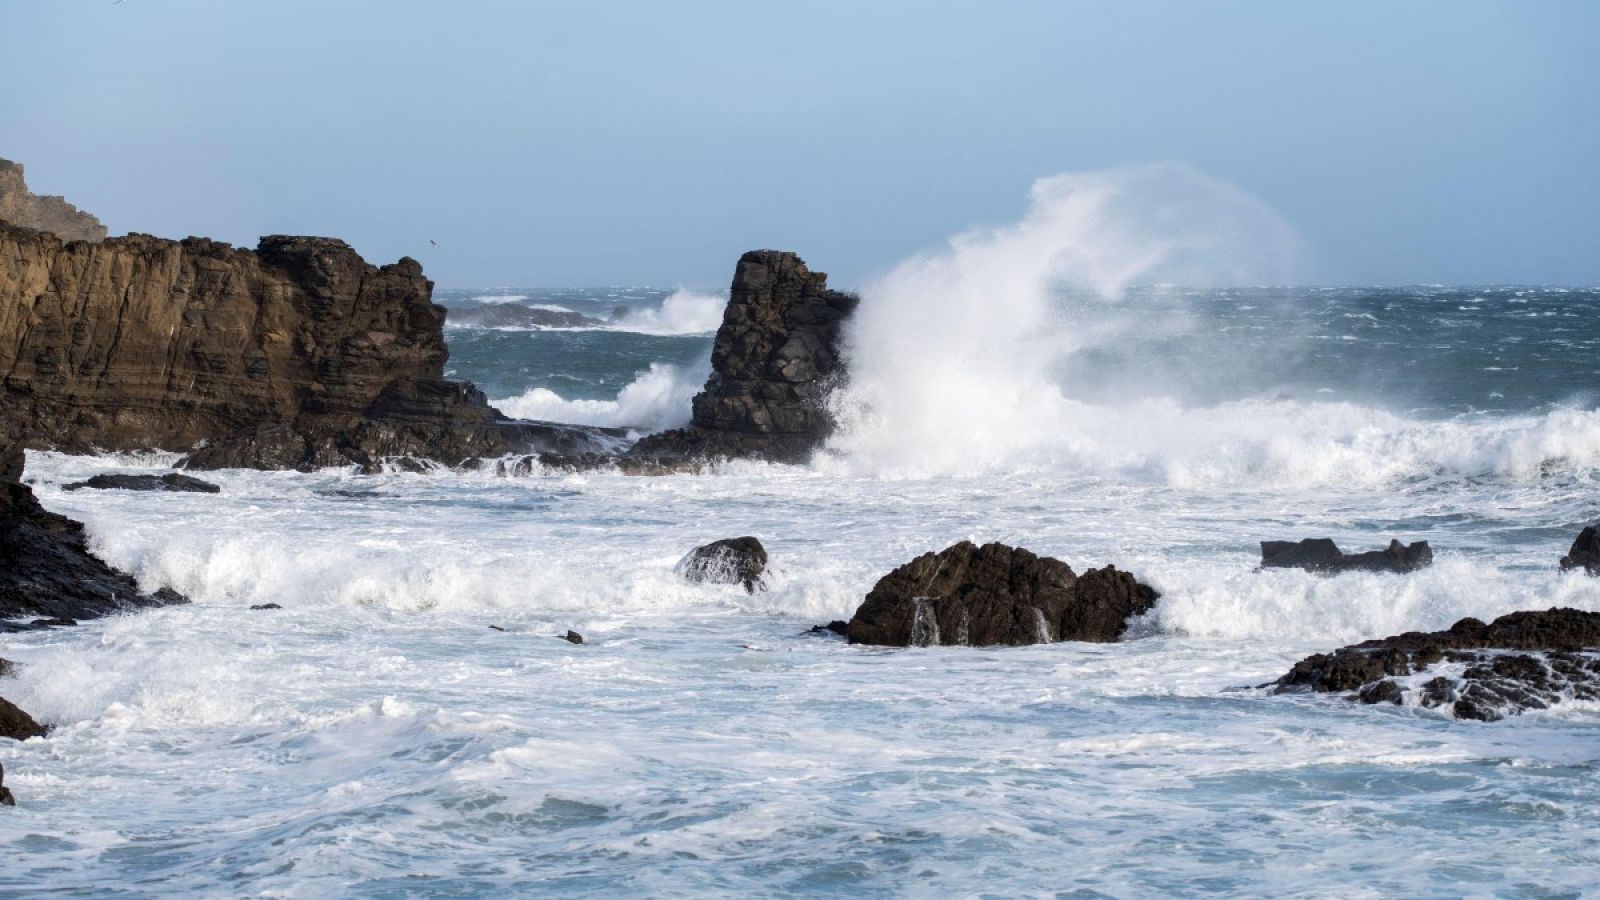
[1324, 556]
[20, 206]
[776, 357]
[995, 594]
[47, 569]
[1520, 661]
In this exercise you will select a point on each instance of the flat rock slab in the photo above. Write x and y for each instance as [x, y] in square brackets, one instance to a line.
[1323, 556]
[172, 481]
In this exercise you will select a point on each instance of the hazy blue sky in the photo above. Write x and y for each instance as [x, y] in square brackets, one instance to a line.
[548, 144]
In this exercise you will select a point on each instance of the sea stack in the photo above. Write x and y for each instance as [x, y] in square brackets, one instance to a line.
[776, 358]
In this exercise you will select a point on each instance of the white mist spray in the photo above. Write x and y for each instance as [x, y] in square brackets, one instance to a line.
[952, 353]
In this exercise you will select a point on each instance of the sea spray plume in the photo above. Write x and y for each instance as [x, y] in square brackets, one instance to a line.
[657, 398]
[682, 312]
[952, 353]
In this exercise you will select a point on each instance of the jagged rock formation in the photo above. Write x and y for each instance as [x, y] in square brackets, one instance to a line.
[728, 561]
[297, 355]
[20, 206]
[776, 358]
[976, 596]
[46, 568]
[1520, 661]
[1585, 552]
[1324, 556]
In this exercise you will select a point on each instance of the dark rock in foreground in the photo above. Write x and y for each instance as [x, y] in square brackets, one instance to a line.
[16, 724]
[728, 561]
[1520, 661]
[1324, 556]
[776, 358]
[172, 481]
[47, 569]
[995, 594]
[1585, 552]
[512, 315]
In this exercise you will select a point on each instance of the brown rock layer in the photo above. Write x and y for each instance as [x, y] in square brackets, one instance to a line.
[777, 356]
[297, 355]
[20, 206]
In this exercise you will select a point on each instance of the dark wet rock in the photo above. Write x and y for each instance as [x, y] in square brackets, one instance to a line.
[297, 355]
[172, 481]
[729, 561]
[496, 628]
[776, 358]
[1324, 556]
[1585, 552]
[7, 668]
[47, 569]
[57, 622]
[264, 606]
[512, 315]
[1520, 661]
[837, 627]
[995, 594]
[16, 724]
[572, 637]
[6, 797]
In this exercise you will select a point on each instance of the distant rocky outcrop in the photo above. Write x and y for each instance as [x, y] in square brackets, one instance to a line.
[20, 206]
[995, 594]
[1585, 552]
[1520, 661]
[171, 481]
[46, 568]
[512, 315]
[298, 354]
[775, 359]
[739, 560]
[1324, 556]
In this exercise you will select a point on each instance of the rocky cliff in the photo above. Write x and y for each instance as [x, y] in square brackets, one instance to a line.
[20, 206]
[776, 357]
[298, 354]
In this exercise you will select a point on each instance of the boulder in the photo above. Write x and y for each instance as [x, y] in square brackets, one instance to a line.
[996, 594]
[572, 637]
[16, 724]
[1520, 661]
[777, 356]
[836, 628]
[172, 481]
[1324, 556]
[1585, 552]
[6, 797]
[47, 569]
[739, 560]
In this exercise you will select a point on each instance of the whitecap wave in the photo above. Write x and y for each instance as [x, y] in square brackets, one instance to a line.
[683, 312]
[657, 399]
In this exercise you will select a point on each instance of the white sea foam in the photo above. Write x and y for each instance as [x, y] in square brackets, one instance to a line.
[682, 312]
[657, 399]
[494, 299]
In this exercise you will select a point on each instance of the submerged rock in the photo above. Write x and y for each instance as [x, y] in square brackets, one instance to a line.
[729, 561]
[47, 569]
[776, 358]
[16, 724]
[1520, 661]
[1324, 556]
[264, 606]
[996, 594]
[172, 481]
[1585, 552]
[836, 628]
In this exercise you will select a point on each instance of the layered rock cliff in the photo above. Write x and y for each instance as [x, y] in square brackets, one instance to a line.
[20, 206]
[298, 354]
[776, 357]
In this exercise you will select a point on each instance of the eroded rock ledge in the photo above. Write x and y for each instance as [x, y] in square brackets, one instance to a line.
[1520, 661]
[298, 354]
[21, 206]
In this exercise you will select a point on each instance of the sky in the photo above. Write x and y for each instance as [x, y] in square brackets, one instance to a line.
[649, 143]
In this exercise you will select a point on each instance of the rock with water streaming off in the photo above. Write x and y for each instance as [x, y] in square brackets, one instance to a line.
[1520, 661]
[1585, 552]
[996, 594]
[1324, 556]
[739, 560]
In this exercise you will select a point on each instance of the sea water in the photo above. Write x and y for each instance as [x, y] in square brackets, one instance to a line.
[411, 723]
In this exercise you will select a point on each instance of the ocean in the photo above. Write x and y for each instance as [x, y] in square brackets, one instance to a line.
[377, 737]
